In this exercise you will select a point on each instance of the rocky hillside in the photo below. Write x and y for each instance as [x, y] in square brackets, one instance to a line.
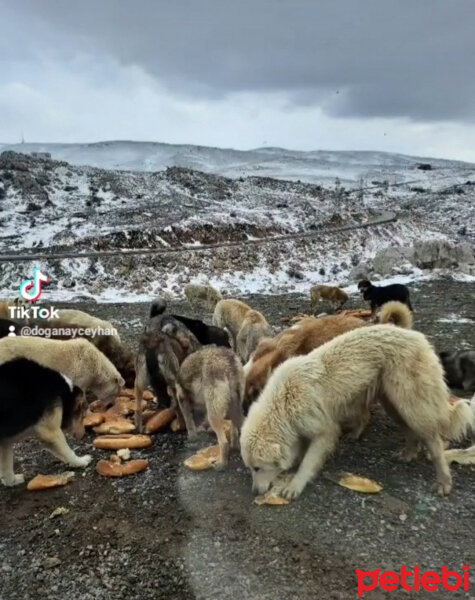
[49, 206]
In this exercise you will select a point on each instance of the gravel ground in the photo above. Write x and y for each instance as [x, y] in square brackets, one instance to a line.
[173, 534]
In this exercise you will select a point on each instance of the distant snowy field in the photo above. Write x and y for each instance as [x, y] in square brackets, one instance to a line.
[120, 196]
[318, 166]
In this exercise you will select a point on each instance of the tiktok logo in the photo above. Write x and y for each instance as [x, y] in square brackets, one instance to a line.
[31, 289]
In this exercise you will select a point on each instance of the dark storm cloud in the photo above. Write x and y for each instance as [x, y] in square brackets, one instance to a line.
[388, 58]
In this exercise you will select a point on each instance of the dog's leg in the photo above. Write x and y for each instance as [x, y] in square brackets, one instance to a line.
[443, 484]
[138, 407]
[187, 412]
[322, 445]
[412, 449]
[7, 475]
[50, 433]
[217, 424]
[236, 416]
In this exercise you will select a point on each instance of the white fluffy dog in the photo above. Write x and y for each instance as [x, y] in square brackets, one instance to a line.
[309, 400]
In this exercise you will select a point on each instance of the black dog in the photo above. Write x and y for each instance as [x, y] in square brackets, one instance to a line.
[459, 367]
[205, 334]
[40, 400]
[379, 295]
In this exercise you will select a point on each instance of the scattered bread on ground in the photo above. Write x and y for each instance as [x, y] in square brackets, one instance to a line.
[45, 482]
[270, 499]
[359, 484]
[204, 459]
[93, 419]
[160, 420]
[123, 453]
[117, 425]
[126, 440]
[110, 468]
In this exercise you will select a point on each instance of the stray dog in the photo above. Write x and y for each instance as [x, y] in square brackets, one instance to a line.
[78, 360]
[212, 377]
[309, 333]
[38, 400]
[459, 367]
[202, 296]
[334, 295]
[235, 316]
[310, 398]
[379, 295]
[205, 334]
[253, 329]
[148, 368]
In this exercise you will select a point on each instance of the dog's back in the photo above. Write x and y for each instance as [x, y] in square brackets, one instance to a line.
[379, 295]
[214, 369]
[29, 391]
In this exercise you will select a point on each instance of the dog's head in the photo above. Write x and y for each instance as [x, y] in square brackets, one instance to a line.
[108, 388]
[364, 285]
[175, 329]
[266, 460]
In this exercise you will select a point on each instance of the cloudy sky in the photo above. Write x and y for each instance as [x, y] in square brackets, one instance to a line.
[396, 75]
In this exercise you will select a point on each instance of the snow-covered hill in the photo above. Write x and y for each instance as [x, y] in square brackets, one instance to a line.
[313, 167]
[49, 207]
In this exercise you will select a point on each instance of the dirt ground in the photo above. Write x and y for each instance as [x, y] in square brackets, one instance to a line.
[173, 534]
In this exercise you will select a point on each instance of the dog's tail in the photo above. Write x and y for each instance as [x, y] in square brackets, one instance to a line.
[158, 307]
[465, 456]
[396, 313]
[461, 416]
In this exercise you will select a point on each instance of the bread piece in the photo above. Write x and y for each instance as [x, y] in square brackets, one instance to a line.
[126, 440]
[160, 420]
[119, 425]
[45, 482]
[109, 468]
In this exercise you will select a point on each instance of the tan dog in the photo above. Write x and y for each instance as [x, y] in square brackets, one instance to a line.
[245, 325]
[335, 295]
[79, 360]
[202, 296]
[309, 333]
[311, 398]
[212, 377]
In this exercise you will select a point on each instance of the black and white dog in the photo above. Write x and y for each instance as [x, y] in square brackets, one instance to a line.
[38, 401]
[379, 295]
[459, 367]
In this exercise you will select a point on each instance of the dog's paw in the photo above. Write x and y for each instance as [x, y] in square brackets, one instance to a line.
[407, 454]
[292, 490]
[82, 461]
[443, 488]
[13, 481]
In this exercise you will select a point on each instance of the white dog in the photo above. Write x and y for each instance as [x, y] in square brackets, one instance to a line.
[311, 399]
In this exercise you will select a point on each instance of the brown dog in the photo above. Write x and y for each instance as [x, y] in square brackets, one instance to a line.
[334, 295]
[309, 333]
